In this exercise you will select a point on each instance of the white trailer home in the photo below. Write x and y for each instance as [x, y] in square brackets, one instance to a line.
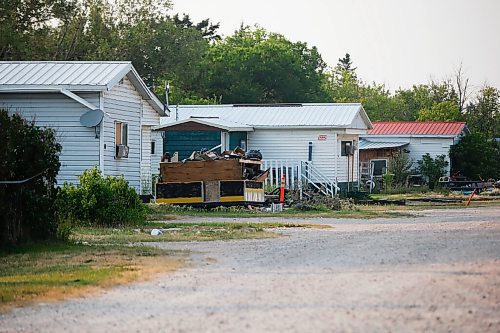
[415, 137]
[102, 113]
[316, 141]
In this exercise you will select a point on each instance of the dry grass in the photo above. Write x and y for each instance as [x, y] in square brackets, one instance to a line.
[60, 271]
[183, 232]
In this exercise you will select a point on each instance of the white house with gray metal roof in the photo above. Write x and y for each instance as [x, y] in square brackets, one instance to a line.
[326, 135]
[101, 110]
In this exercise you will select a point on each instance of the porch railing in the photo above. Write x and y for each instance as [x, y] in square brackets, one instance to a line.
[298, 175]
[312, 176]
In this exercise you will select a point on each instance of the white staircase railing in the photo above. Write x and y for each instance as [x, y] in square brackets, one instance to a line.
[314, 177]
[298, 174]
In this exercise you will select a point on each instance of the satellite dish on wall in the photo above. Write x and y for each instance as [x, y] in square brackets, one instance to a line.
[92, 118]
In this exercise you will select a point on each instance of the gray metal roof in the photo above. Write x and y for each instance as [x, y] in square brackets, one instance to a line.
[284, 115]
[224, 124]
[75, 76]
[365, 144]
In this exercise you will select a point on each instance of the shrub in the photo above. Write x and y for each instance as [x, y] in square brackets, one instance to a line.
[99, 201]
[26, 152]
[476, 156]
[388, 179]
[432, 168]
[400, 166]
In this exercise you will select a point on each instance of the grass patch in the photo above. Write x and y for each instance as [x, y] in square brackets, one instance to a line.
[415, 204]
[55, 271]
[182, 232]
[170, 212]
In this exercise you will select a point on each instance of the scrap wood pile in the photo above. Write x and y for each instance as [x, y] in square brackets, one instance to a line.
[208, 164]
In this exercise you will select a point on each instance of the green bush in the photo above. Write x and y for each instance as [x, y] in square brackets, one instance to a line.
[432, 168]
[388, 179]
[476, 156]
[29, 153]
[99, 201]
[400, 165]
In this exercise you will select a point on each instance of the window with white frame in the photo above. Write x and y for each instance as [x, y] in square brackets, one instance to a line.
[121, 133]
[121, 139]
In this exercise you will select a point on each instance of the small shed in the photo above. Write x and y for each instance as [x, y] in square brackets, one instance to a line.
[379, 144]
[64, 95]
[323, 135]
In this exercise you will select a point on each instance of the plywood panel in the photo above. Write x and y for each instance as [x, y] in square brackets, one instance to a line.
[212, 191]
[201, 171]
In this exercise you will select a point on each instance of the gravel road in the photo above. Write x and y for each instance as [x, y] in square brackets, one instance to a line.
[436, 272]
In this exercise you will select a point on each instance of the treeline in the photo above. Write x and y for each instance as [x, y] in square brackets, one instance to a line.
[250, 66]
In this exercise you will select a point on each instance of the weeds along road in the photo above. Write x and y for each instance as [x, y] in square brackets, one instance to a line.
[438, 272]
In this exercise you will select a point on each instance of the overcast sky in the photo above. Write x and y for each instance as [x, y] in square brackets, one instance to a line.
[396, 42]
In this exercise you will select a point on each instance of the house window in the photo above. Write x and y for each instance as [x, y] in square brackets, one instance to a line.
[346, 148]
[121, 133]
[153, 147]
[121, 139]
[379, 167]
[243, 144]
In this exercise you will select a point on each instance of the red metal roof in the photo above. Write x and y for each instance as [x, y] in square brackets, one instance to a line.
[416, 128]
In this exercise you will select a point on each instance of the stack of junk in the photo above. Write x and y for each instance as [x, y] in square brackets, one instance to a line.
[209, 179]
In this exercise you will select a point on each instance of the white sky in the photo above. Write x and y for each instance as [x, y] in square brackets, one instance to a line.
[396, 42]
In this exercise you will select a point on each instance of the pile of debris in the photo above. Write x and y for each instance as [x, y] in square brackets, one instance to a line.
[212, 154]
[249, 161]
[312, 200]
[209, 178]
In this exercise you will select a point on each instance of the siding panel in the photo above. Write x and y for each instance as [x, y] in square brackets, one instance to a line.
[80, 148]
[420, 146]
[294, 145]
[123, 103]
[146, 186]
[156, 157]
[186, 142]
[149, 116]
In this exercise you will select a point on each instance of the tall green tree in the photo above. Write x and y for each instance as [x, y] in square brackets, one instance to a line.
[255, 66]
[345, 64]
[442, 111]
[26, 26]
[344, 86]
[208, 30]
[483, 114]
[476, 156]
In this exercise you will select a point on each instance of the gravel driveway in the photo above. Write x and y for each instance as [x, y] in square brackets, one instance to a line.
[438, 272]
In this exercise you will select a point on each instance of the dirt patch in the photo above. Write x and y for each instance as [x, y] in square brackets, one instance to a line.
[437, 272]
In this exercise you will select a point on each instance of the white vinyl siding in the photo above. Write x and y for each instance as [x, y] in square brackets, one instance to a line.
[156, 158]
[149, 116]
[342, 161]
[146, 160]
[80, 148]
[419, 146]
[293, 145]
[123, 104]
